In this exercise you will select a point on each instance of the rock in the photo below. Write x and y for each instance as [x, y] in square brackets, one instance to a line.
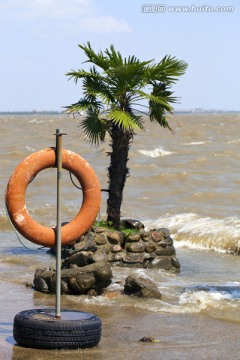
[107, 248]
[175, 262]
[40, 284]
[150, 256]
[43, 280]
[157, 236]
[132, 224]
[145, 234]
[77, 280]
[100, 239]
[148, 339]
[99, 255]
[99, 229]
[115, 237]
[150, 247]
[167, 251]
[161, 262]
[92, 292]
[169, 241]
[141, 287]
[103, 272]
[135, 247]
[85, 245]
[64, 287]
[134, 237]
[164, 231]
[116, 248]
[147, 239]
[82, 282]
[80, 259]
[116, 257]
[133, 258]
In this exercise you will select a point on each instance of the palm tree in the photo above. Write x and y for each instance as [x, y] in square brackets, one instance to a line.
[114, 91]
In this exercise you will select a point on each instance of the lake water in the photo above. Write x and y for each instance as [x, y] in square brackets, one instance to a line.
[188, 182]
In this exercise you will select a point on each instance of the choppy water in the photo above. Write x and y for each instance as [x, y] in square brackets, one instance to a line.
[188, 182]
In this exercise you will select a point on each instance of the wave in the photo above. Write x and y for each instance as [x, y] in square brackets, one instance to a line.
[195, 143]
[36, 121]
[202, 233]
[218, 292]
[156, 152]
[217, 301]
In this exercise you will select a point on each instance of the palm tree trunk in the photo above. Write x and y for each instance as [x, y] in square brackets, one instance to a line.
[117, 172]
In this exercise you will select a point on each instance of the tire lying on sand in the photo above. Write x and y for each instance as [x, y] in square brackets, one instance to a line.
[40, 329]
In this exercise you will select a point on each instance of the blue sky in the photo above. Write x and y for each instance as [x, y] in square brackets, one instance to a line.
[39, 38]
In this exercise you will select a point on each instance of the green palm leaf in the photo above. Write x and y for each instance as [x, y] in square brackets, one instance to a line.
[94, 128]
[98, 59]
[124, 120]
[161, 100]
[118, 84]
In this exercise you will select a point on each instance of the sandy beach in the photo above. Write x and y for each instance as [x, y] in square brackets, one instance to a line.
[179, 337]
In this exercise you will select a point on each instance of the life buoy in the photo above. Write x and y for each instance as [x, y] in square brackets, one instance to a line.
[16, 191]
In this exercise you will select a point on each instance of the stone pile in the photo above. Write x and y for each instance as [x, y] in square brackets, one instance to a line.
[86, 266]
[151, 249]
[90, 279]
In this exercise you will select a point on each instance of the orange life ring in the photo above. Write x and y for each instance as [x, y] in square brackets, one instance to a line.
[16, 190]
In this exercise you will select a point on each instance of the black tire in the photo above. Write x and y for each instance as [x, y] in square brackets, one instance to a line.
[39, 328]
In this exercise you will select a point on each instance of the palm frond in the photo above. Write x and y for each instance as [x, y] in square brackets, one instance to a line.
[81, 74]
[99, 59]
[115, 57]
[132, 75]
[97, 87]
[94, 128]
[157, 114]
[163, 100]
[167, 70]
[124, 119]
[88, 103]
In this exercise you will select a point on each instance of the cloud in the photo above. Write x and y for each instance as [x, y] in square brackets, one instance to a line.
[55, 9]
[86, 13]
[105, 24]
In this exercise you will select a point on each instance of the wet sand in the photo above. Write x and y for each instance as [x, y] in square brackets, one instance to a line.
[180, 337]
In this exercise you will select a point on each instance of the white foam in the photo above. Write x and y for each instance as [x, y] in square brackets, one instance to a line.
[156, 152]
[203, 233]
[36, 121]
[212, 296]
[199, 300]
[195, 143]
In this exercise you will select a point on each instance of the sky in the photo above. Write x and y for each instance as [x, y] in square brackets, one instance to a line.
[39, 45]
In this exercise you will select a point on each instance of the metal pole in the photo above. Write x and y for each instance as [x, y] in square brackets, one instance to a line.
[59, 237]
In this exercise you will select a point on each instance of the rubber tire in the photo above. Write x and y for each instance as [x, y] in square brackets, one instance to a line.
[30, 330]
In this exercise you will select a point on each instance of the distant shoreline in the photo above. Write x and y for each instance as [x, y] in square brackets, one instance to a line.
[177, 112]
[30, 112]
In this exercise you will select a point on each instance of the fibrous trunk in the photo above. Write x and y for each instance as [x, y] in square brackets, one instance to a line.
[117, 172]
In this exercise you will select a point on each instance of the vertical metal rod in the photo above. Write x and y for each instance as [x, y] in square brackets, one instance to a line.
[59, 237]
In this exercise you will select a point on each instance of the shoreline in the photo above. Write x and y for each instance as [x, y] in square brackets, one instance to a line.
[180, 336]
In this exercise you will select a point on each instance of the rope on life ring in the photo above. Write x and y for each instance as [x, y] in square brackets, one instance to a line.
[16, 191]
